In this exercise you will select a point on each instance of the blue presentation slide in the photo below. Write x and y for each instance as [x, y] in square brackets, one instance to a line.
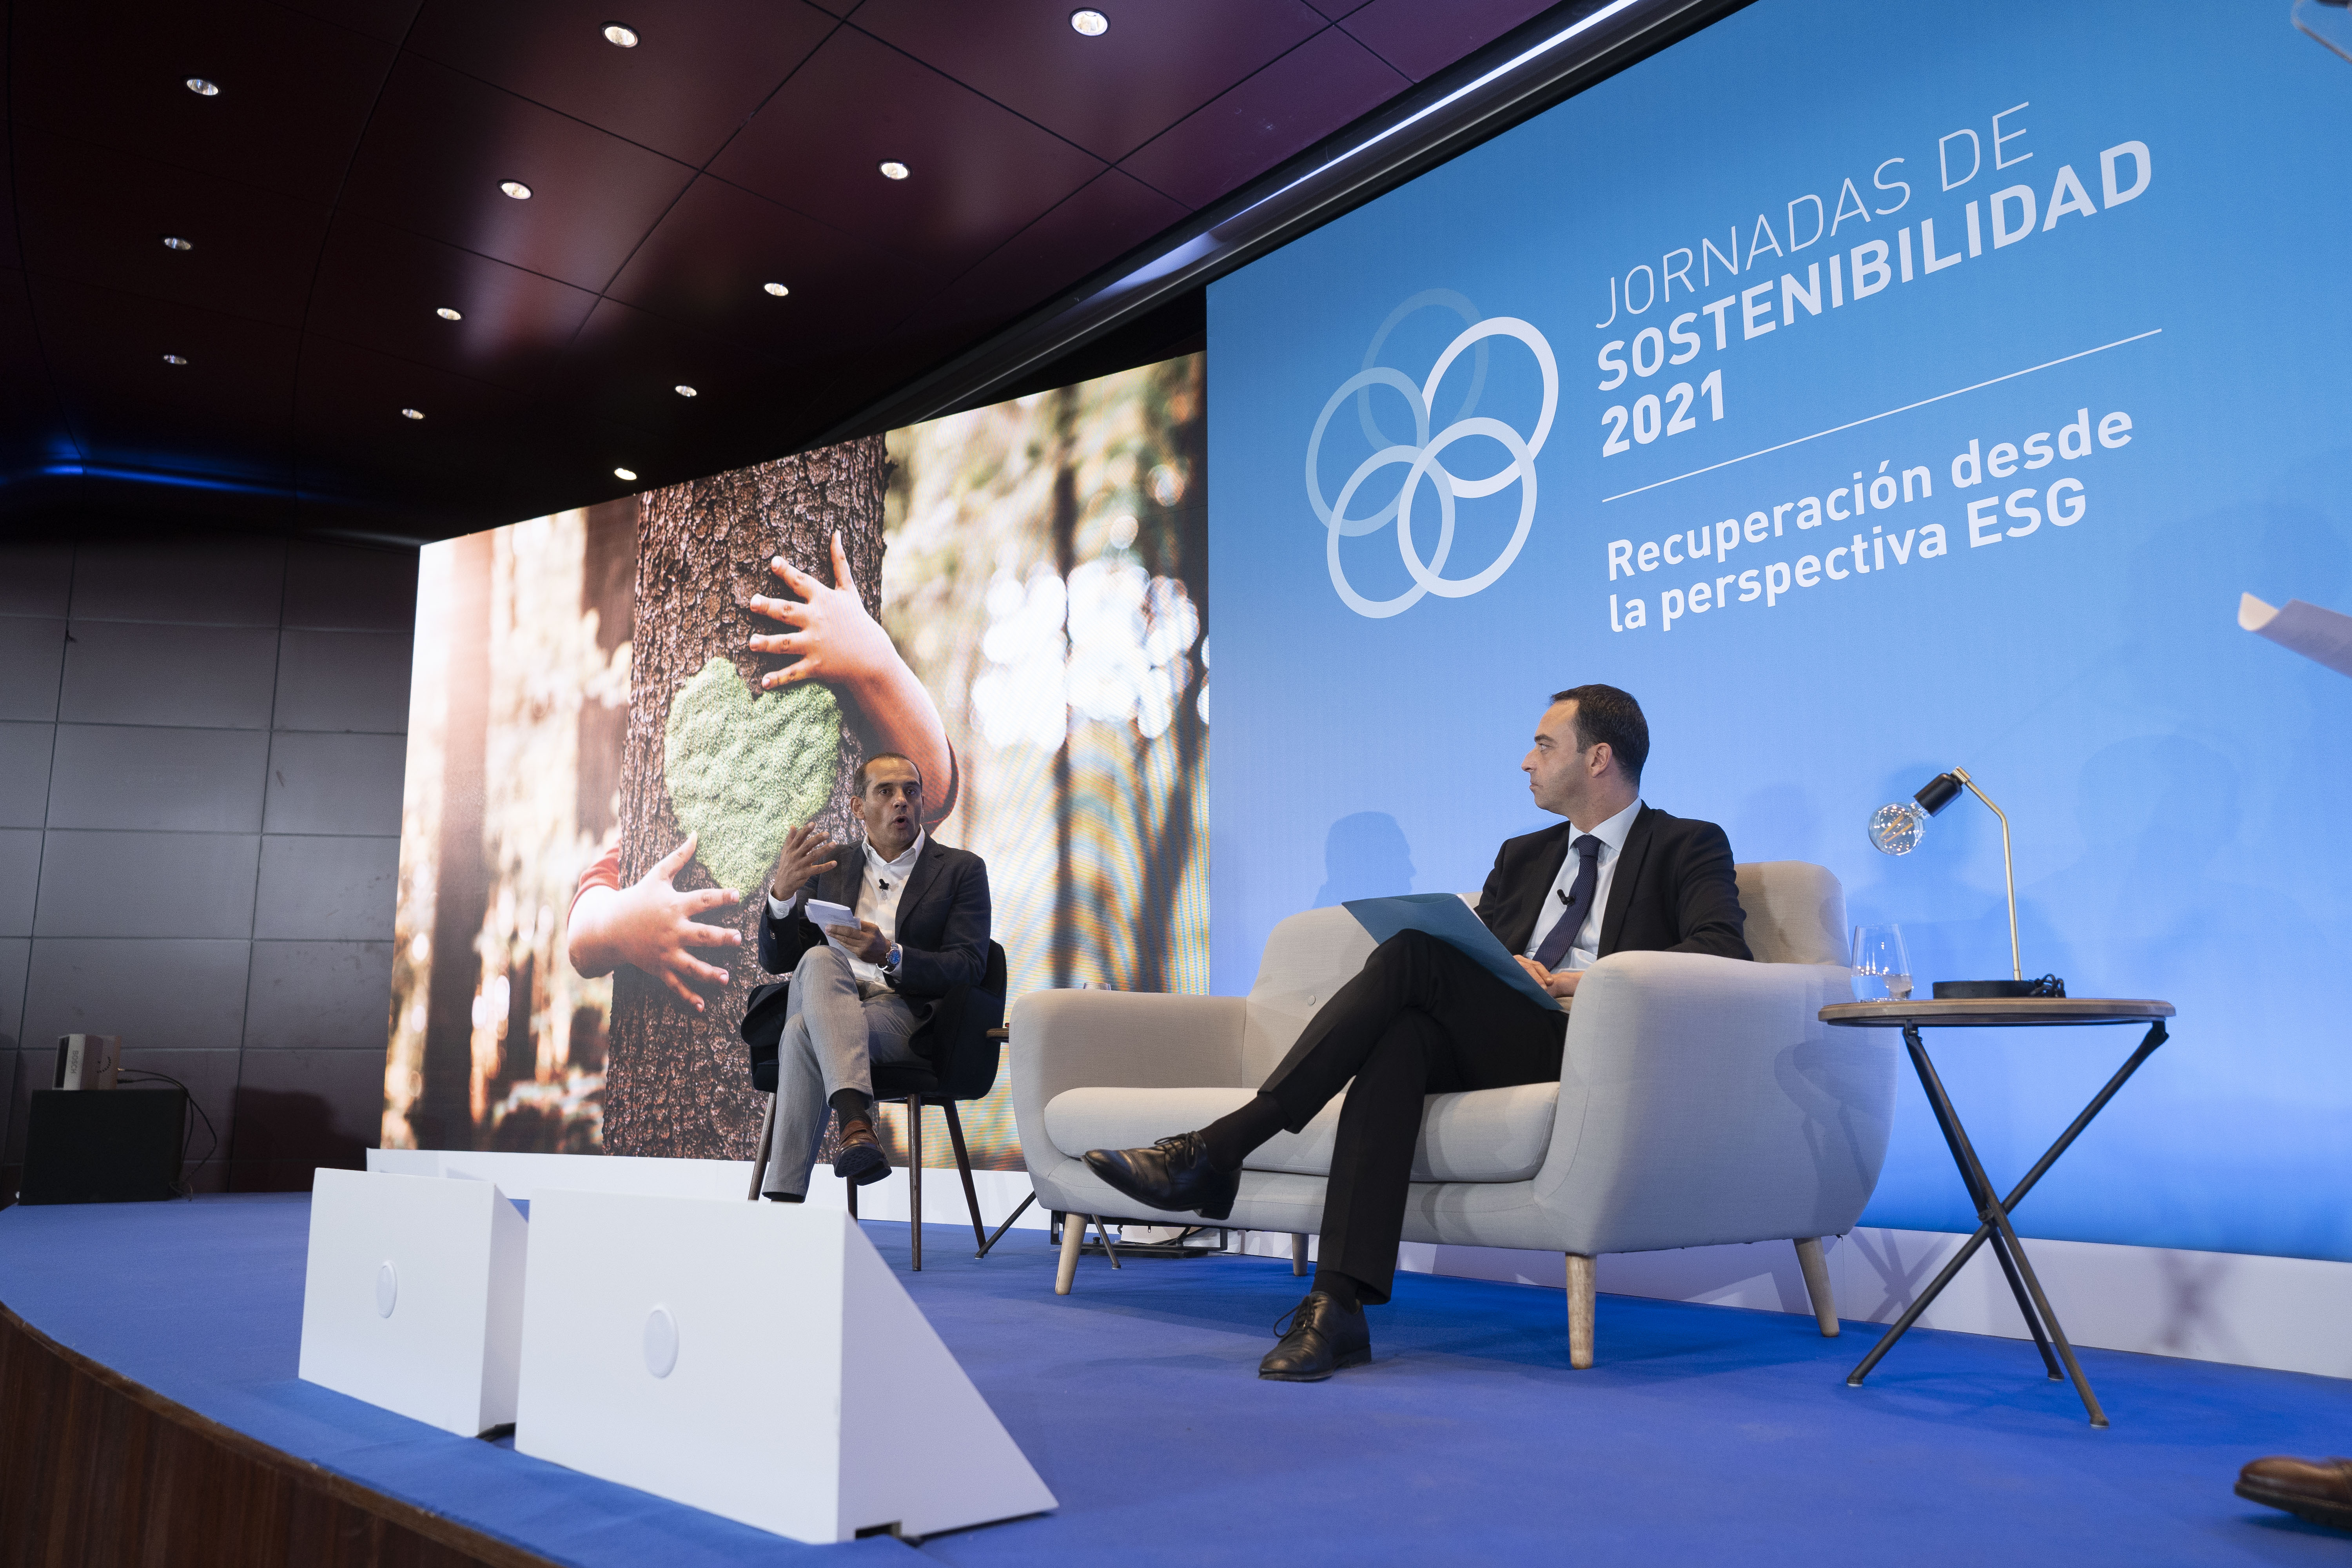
[1870, 390]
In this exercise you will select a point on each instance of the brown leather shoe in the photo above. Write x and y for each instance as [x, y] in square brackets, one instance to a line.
[861, 1159]
[2317, 1489]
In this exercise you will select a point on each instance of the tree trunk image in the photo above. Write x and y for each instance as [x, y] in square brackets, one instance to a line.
[678, 1083]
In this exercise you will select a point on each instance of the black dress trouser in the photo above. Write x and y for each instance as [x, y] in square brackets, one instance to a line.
[1422, 1017]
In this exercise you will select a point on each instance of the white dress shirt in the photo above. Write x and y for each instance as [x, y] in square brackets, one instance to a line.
[1585, 947]
[878, 892]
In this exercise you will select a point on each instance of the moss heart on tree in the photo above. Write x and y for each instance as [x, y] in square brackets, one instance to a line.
[744, 768]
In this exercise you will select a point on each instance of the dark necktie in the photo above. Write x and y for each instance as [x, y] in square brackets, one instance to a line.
[1562, 936]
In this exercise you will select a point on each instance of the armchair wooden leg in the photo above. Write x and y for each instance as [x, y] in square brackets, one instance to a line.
[963, 1169]
[1299, 1254]
[1817, 1284]
[1073, 1235]
[759, 1158]
[915, 1174]
[1582, 1283]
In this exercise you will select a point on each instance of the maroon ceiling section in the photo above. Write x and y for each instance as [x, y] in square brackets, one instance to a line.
[1166, 59]
[1324, 84]
[343, 187]
[706, 67]
[1422, 39]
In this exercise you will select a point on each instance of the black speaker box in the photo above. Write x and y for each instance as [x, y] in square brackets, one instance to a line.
[110, 1146]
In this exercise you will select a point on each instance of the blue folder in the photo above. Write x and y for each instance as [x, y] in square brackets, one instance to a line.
[1445, 917]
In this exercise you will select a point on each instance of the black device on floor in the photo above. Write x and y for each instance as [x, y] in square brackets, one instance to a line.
[121, 1146]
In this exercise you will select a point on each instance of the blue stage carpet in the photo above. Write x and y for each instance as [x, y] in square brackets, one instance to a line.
[1706, 1434]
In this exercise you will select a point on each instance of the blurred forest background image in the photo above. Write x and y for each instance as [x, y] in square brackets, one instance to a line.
[518, 699]
[1043, 574]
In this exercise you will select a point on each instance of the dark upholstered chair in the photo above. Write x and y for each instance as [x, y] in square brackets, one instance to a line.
[961, 1043]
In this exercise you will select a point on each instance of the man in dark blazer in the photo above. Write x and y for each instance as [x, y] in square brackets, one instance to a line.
[1423, 1017]
[860, 991]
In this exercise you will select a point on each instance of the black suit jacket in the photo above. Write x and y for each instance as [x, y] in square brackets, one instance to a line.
[1673, 890]
[942, 921]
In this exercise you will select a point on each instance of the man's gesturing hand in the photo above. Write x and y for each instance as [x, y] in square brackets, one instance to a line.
[651, 926]
[806, 853]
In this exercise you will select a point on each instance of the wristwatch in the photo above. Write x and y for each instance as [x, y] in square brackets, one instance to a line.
[890, 963]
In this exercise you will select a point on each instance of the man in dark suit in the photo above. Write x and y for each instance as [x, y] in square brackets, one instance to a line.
[1423, 1017]
[859, 997]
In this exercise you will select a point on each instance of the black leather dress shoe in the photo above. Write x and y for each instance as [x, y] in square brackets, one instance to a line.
[861, 1159]
[1324, 1337]
[1173, 1174]
[2317, 1489]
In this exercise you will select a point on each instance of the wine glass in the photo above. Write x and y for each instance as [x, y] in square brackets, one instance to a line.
[1882, 968]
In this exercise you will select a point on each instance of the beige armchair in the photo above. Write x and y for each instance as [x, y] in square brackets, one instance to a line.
[1700, 1099]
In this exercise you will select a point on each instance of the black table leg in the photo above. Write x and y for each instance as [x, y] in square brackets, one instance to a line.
[999, 1233]
[1993, 1218]
[1999, 1217]
[1979, 1195]
[2155, 1037]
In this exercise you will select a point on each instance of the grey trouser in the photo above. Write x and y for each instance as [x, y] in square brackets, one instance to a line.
[831, 1039]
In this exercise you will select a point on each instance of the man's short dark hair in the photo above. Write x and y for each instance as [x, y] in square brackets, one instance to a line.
[857, 779]
[1604, 714]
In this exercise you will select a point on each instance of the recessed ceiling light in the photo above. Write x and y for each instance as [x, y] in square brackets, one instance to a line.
[201, 88]
[616, 33]
[628, 474]
[515, 189]
[1089, 24]
[173, 358]
[685, 391]
[894, 170]
[778, 289]
[411, 413]
[447, 314]
[173, 242]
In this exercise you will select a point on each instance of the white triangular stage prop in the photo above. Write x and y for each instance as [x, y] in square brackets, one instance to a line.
[412, 1296]
[760, 1361]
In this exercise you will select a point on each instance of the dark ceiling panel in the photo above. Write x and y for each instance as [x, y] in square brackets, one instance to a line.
[1109, 94]
[699, 68]
[1311, 91]
[1112, 215]
[980, 173]
[1421, 39]
[379, 288]
[31, 429]
[294, 91]
[384, 19]
[708, 263]
[631, 362]
[343, 184]
[100, 216]
[441, 143]
[227, 414]
[9, 255]
[479, 449]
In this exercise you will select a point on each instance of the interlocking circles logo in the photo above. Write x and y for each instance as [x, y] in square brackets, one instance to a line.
[1419, 457]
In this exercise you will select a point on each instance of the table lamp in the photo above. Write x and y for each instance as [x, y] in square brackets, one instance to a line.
[1897, 829]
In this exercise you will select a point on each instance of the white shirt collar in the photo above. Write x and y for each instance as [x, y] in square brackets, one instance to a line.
[903, 865]
[1611, 832]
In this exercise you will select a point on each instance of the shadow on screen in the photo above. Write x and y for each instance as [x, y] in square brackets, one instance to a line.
[1365, 855]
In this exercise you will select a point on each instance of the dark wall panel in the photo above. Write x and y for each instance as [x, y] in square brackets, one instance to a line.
[173, 780]
[329, 888]
[216, 689]
[335, 783]
[133, 672]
